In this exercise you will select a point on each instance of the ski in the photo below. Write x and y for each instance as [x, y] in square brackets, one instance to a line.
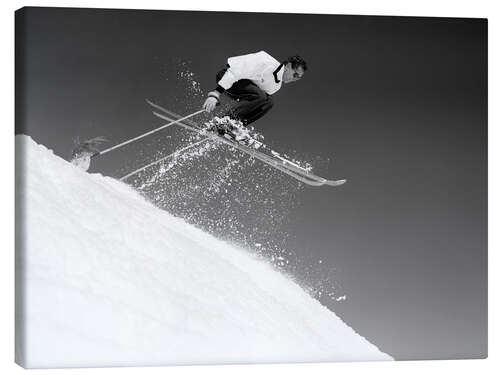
[275, 160]
[308, 178]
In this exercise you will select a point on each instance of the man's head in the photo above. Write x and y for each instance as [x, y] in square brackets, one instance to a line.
[295, 67]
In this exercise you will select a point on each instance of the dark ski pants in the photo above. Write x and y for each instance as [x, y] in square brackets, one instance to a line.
[252, 101]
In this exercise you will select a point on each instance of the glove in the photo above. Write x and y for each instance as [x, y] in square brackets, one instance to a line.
[212, 101]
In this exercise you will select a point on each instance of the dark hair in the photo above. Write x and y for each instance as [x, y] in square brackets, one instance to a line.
[296, 61]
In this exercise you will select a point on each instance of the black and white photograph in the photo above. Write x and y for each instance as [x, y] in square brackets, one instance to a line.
[204, 188]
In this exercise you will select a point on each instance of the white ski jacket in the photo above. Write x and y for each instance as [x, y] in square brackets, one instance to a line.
[260, 68]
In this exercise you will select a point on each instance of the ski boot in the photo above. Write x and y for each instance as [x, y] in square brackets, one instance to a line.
[233, 130]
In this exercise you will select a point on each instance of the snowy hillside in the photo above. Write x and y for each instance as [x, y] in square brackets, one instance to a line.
[107, 279]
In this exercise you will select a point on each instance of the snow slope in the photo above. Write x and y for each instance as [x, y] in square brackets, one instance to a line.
[104, 278]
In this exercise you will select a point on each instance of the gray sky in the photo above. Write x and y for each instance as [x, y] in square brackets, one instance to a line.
[399, 105]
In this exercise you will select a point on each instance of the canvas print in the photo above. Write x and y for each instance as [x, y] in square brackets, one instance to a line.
[229, 188]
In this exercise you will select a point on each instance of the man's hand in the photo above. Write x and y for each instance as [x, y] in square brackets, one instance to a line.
[212, 101]
[210, 104]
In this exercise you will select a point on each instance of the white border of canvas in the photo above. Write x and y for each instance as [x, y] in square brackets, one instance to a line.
[437, 8]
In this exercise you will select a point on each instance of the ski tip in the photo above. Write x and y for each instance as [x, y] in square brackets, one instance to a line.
[336, 182]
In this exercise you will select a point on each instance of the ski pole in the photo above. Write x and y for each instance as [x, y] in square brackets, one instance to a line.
[148, 133]
[162, 159]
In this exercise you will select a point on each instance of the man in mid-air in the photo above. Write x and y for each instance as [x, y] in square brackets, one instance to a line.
[251, 80]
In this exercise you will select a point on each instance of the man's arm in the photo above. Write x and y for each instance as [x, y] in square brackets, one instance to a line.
[240, 67]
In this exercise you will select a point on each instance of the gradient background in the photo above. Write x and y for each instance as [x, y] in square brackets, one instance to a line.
[400, 102]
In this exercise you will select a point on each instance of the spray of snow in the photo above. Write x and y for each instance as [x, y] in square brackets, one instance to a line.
[229, 195]
[105, 278]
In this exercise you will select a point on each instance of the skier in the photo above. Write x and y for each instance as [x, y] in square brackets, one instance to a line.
[251, 80]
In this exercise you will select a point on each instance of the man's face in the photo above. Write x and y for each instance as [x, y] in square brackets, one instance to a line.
[292, 75]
